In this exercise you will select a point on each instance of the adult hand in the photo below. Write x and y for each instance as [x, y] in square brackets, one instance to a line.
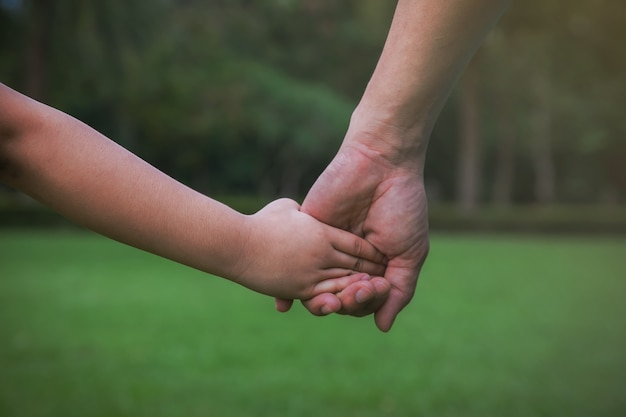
[374, 187]
[381, 198]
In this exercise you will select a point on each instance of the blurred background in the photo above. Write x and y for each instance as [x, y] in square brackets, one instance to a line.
[252, 98]
[247, 100]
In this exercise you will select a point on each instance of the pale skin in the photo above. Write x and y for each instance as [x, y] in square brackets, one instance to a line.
[374, 186]
[278, 251]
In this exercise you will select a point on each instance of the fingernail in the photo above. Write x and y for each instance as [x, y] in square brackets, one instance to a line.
[366, 277]
[362, 296]
[326, 310]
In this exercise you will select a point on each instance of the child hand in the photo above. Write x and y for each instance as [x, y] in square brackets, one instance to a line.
[289, 254]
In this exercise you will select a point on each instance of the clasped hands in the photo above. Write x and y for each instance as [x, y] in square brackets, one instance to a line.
[382, 200]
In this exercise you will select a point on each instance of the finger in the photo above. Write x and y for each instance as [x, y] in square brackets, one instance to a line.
[353, 245]
[322, 304]
[352, 263]
[386, 315]
[335, 285]
[364, 298]
[283, 305]
[403, 282]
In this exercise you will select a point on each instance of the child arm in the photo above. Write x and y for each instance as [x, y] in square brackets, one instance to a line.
[94, 182]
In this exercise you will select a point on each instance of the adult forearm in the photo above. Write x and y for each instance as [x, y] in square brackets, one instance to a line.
[429, 44]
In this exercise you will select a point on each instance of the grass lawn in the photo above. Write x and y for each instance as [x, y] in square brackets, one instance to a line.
[500, 326]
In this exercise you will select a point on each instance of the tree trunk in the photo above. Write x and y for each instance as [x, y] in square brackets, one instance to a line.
[290, 178]
[468, 169]
[542, 159]
[504, 174]
[37, 48]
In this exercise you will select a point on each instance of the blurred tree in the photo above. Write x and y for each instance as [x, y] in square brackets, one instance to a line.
[253, 96]
[502, 103]
[561, 67]
[37, 47]
[469, 147]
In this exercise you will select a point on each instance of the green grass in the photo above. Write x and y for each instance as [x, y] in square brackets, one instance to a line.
[500, 326]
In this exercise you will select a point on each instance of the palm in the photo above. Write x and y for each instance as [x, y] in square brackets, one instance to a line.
[387, 206]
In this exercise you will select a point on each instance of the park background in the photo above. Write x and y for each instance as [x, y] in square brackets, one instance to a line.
[519, 310]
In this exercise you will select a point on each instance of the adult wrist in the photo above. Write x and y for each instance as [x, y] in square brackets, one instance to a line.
[386, 136]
